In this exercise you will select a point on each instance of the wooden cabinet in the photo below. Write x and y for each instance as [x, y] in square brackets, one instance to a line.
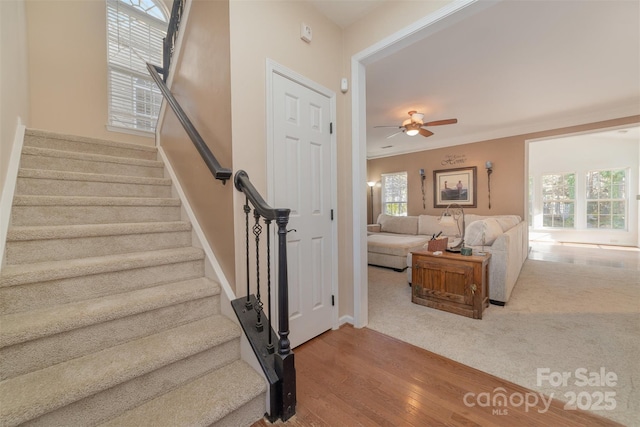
[451, 282]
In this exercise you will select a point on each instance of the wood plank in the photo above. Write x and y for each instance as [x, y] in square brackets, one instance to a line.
[360, 377]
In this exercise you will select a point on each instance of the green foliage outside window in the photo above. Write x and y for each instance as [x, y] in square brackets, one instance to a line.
[558, 200]
[606, 199]
[394, 194]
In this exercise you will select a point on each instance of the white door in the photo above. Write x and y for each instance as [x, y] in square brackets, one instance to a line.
[302, 168]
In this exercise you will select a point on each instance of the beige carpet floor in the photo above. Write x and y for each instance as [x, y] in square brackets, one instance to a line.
[563, 317]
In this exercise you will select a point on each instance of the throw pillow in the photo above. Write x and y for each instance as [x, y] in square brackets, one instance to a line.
[489, 227]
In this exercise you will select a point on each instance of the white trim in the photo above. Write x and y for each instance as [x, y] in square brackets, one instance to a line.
[9, 188]
[420, 29]
[229, 294]
[136, 132]
[346, 319]
[275, 68]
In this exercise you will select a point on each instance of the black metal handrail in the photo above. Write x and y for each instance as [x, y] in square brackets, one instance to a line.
[279, 367]
[283, 398]
[169, 41]
[210, 160]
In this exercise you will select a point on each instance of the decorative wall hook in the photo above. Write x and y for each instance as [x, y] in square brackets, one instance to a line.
[422, 178]
[489, 166]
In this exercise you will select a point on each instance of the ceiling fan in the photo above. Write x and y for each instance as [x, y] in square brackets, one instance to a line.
[415, 125]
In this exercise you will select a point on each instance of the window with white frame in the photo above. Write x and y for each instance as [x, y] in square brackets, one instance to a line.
[394, 193]
[135, 29]
[606, 199]
[558, 200]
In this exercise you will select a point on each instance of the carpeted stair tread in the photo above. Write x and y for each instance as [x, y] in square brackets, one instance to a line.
[29, 200]
[33, 244]
[46, 232]
[90, 177]
[230, 387]
[44, 271]
[30, 325]
[52, 140]
[102, 158]
[36, 393]
[51, 159]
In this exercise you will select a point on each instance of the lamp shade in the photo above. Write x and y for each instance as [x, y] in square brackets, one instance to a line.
[447, 220]
[371, 183]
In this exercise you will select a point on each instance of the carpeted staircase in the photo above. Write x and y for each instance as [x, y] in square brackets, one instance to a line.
[106, 316]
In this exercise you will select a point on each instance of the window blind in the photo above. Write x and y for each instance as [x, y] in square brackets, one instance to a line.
[133, 38]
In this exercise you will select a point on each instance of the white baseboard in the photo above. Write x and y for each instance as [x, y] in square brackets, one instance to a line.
[346, 319]
[200, 236]
[9, 187]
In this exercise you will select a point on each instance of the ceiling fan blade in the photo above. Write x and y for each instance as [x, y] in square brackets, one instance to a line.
[397, 127]
[441, 122]
[394, 134]
[425, 132]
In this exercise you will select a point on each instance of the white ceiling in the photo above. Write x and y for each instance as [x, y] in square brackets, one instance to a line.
[511, 68]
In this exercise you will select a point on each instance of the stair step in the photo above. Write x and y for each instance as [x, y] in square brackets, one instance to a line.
[64, 210]
[36, 393]
[49, 159]
[114, 401]
[230, 387]
[63, 183]
[60, 242]
[31, 325]
[13, 275]
[28, 296]
[76, 329]
[56, 141]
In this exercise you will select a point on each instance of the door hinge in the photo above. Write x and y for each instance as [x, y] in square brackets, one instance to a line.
[333, 300]
[331, 128]
[331, 214]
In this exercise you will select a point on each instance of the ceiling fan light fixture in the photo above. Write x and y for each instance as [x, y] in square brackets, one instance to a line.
[412, 129]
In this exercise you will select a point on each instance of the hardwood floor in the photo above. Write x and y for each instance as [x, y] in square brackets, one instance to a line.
[359, 377]
[586, 254]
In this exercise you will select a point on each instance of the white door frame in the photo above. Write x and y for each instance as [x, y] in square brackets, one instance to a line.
[420, 29]
[275, 68]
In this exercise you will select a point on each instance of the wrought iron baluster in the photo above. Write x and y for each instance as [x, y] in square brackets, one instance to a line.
[247, 209]
[257, 230]
[269, 344]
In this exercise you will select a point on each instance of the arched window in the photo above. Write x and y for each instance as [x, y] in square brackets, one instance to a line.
[135, 29]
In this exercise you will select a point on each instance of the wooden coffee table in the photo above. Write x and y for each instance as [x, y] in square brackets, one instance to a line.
[451, 282]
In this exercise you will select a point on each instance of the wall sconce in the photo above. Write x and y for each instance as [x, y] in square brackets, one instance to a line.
[422, 178]
[489, 166]
[371, 184]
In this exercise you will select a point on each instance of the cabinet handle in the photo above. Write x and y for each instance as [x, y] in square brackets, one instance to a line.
[474, 288]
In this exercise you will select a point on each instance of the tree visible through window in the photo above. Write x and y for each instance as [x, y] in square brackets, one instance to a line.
[606, 199]
[558, 200]
[394, 194]
[135, 29]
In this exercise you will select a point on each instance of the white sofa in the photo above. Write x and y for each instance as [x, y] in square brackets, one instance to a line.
[392, 239]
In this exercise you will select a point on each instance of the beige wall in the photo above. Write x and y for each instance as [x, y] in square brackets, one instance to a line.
[68, 68]
[271, 29]
[14, 91]
[508, 186]
[507, 180]
[201, 84]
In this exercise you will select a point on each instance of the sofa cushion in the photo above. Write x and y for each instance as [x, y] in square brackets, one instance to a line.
[398, 224]
[489, 227]
[391, 244]
[429, 225]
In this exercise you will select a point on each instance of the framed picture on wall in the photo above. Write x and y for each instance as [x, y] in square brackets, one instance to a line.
[455, 186]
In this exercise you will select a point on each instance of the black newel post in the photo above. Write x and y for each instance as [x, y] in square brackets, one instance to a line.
[284, 358]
